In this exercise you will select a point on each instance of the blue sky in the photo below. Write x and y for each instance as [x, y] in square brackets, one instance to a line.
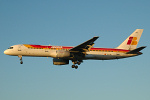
[69, 23]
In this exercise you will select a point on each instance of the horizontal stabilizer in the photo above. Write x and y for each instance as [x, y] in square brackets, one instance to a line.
[135, 51]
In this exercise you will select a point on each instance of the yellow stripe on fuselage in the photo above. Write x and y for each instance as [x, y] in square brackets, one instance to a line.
[27, 45]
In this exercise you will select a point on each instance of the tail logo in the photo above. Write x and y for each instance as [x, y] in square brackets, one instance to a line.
[132, 41]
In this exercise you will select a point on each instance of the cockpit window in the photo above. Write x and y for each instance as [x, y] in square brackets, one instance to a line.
[10, 48]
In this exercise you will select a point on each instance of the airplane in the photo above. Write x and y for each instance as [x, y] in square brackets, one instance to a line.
[85, 51]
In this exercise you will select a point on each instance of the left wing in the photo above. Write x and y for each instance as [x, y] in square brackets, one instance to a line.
[86, 46]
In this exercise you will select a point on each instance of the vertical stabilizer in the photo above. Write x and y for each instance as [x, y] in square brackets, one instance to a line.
[132, 41]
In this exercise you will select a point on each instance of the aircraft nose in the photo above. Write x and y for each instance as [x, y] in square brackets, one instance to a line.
[6, 52]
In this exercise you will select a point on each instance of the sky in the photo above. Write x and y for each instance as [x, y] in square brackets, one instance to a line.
[70, 23]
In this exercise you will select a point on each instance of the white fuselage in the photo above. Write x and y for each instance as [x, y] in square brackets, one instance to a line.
[21, 50]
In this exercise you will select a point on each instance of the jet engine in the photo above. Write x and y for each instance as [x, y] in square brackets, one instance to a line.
[60, 61]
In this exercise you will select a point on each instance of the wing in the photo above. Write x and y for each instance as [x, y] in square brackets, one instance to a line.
[86, 46]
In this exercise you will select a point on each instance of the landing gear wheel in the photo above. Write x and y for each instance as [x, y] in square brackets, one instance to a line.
[76, 67]
[79, 63]
[73, 66]
[21, 62]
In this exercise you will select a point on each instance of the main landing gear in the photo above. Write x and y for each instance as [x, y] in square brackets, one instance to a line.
[75, 64]
[20, 56]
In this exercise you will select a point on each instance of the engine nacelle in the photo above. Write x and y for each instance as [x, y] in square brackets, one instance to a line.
[62, 53]
[60, 61]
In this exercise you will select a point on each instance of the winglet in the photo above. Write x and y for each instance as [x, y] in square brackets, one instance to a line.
[96, 36]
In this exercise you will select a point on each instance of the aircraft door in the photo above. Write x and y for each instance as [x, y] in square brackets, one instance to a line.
[19, 47]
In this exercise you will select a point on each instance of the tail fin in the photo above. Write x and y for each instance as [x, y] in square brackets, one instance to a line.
[132, 41]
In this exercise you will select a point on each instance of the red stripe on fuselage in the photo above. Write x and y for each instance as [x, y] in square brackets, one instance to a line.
[66, 47]
[40, 46]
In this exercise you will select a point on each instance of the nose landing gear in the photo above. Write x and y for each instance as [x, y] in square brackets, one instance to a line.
[21, 62]
[20, 56]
